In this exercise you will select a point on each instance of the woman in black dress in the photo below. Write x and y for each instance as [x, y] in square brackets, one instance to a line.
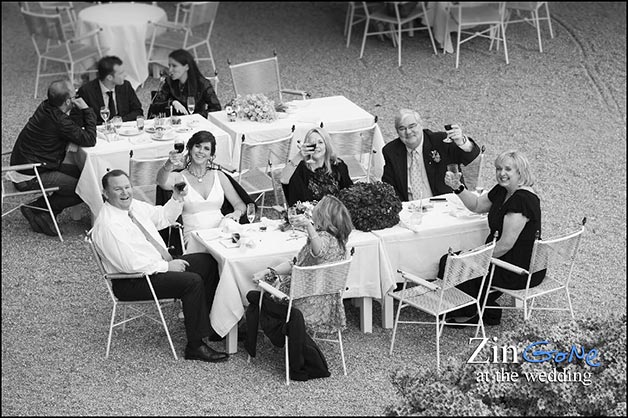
[320, 172]
[184, 79]
[514, 211]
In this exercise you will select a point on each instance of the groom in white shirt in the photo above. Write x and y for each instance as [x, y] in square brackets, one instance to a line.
[126, 236]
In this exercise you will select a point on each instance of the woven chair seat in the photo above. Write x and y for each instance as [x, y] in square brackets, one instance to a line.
[548, 285]
[428, 300]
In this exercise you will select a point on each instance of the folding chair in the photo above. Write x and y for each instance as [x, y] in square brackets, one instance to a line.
[58, 49]
[557, 256]
[132, 305]
[261, 76]
[397, 22]
[355, 143]
[323, 279]
[533, 8]
[9, 190]
[179, 34]
[439, 297]
[256, 160]
[472, 172]
[63, 8]
[468, 15]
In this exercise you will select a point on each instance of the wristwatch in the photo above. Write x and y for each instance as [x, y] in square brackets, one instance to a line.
[459, 189]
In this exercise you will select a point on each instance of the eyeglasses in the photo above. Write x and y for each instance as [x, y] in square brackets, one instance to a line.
[407, 128]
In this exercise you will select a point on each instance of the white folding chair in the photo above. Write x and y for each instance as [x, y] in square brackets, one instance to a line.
[355, 148]
[323, 279]
[439, 297]
[533, 7]
[556, 255]
[132, 305]
[10, 192]
[472, 172]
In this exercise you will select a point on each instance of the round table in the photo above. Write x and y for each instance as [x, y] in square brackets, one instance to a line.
[125, 29]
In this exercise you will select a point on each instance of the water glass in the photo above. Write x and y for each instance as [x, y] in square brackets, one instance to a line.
[250, 212]
[140, 122]
[191, 104]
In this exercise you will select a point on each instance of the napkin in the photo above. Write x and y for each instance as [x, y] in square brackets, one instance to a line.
[229, 226]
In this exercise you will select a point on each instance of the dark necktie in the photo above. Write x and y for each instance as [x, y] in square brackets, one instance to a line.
[162, 250]
[112, 105]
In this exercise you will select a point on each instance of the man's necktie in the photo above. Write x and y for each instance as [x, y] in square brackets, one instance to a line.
[164, 253]
[416, 184]
[112, 105]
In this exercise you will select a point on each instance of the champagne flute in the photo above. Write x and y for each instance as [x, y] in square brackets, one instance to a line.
[104, 114]
[292, 217]
[191, 104]
[250, 212]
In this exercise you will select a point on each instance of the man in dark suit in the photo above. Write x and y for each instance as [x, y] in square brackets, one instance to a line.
[415, 163]
[109, 85]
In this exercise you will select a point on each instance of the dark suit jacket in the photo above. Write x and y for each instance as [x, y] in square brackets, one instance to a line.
[396, 162]
[128, 105]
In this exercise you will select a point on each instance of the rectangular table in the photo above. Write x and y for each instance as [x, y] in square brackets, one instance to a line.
[336, 113]
[95, 161]
[419, 250]
[237, 265]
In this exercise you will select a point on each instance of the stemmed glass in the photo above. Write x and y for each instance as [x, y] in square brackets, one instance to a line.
[310, 147]
[292, 217]
[117, 124]
[191, 104]
[250, 212]
[104, 114]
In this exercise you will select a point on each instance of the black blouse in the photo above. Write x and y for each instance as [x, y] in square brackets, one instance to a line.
[306, 185]
[205, 96]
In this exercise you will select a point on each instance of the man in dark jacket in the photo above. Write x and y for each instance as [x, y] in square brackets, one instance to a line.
[415, 163]
[111, 90]
[44, 140]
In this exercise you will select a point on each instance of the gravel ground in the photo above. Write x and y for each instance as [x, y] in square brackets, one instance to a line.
[564, 108]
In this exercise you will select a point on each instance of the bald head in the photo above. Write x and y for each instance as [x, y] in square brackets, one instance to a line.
[58, 92]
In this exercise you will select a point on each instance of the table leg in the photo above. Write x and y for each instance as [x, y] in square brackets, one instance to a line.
[231, 341]
[387, 312]
[366, 314]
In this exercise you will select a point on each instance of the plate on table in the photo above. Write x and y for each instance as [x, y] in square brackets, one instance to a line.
[168, 136]
[129, 131]
[149, 129]
[183, 129]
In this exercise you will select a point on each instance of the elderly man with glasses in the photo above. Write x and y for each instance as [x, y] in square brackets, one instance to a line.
[415, 163]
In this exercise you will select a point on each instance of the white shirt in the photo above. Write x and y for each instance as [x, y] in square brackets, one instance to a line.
[427, 189]
[121, 243]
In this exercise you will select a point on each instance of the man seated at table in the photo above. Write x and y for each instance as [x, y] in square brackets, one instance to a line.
[111, 90]
[415, 163]
[126, 236]
[44, 139]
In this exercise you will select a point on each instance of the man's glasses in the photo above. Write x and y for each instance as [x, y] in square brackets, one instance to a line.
[407, 128]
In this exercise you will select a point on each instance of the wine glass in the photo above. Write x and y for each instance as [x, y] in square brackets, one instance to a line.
[191, 104]
[104, 114]
[117, 123]
[292, 217]
[250, 212]
[310, 147]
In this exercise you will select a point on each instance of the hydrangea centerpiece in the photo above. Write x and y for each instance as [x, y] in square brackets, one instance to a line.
[255, 107]
[371, 205]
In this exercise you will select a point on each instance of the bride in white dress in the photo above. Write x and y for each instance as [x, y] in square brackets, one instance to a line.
[207, 189]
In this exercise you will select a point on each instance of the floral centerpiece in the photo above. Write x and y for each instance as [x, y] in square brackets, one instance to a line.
[255, 107]
[371, 205]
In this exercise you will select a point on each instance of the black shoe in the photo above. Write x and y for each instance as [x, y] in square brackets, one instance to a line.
[453, 323]
[45, 223]
[205, 353]
[214, 337]
[30, 216]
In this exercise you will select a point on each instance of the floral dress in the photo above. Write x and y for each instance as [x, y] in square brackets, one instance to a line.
[323, 313]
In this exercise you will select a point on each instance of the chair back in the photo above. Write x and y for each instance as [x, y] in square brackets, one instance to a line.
[262, 154]
[352, 146]
[278, 192]
[471, 173]
[254, 77]
[467, 265]
[201, 13]
[143, 176]
[323, 279]
[557, 255]
[47, 26]
[479, 13]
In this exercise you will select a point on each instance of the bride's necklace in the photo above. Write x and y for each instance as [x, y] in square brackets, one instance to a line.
[199, 177]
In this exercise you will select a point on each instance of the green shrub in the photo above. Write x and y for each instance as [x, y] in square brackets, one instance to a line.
[372, 206]
[459, 391]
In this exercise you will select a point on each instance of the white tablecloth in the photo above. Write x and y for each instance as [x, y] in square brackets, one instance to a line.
[336, 113]
[420, 250]
[438, 15]
[110, 155]
[125, 29]
[237, 265]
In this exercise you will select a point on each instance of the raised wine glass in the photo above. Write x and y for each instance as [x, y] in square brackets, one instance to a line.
[191, 104]
[310, 147]
[104, 114]
[250, 212]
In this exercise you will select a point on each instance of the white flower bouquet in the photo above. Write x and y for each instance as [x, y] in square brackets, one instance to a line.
[255, 107]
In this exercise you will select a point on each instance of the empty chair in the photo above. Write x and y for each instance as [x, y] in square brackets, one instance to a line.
[355, 148]
[63, 8]
[557, 255]
[261, 76]
[133, 306]
[49, 28]
[143, 176]
[472, 172]
[10, 192]
[323, 279]
[190, 16]
[468, 15]
[256, 160]
[441, 296]
[516, 9]
[397, 23]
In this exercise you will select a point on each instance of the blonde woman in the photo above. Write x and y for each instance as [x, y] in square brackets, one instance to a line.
[320, 172]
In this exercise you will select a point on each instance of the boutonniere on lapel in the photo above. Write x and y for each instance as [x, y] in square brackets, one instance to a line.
[435, 156]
